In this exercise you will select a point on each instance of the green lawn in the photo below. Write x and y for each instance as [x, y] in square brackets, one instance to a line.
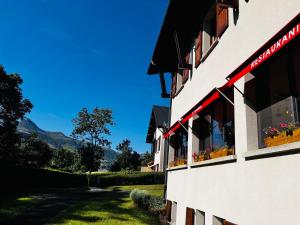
[66, 206]
[11, 206]
[157, 189]
[111, 208]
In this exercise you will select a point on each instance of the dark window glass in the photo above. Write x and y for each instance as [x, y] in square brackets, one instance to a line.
[214, 128]
[179, 142]
[274, 94]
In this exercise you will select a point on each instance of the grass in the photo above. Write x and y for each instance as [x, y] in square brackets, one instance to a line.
[156, 190]
[77, 206]
[11, 206]
[111, 208]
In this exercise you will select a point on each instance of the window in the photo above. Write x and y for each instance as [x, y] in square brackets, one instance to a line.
[199, 218]
[174, 213]
[220, 221]
[189, 216]
[179, 147]
[209, 29]
[213, 130]
[174, 83]
[273, 93]
[214, 25]
[153, 147]
[179, 80]
[187, 72]
[158, 144]
[168, 210]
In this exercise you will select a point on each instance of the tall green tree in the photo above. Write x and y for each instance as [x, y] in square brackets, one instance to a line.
[35, 153]
[128, 159]
[146, 158]
[64, 159]
[91, 130]
[13, 107]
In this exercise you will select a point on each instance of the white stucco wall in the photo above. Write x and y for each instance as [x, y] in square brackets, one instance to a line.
[247, 192]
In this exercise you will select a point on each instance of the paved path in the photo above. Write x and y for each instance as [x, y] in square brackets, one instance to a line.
[50, 204]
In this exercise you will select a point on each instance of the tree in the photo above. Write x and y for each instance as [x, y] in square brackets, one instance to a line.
[35, 153]
[146, 158]
[127, 159]
[13, 107]
[64, 159]
[91, 129]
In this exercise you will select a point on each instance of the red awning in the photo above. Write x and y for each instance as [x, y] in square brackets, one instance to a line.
[283, 37]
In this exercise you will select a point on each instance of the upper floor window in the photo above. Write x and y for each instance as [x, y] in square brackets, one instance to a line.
[181, 77]
[273, 93]
[213, 130]
[158, 144]
[214, 25]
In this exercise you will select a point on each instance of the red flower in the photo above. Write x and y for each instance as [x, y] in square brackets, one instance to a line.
[283, 125]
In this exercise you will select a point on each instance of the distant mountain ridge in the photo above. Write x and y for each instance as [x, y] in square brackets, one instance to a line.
[56, 139]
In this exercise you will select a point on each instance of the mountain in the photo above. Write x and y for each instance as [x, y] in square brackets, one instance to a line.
[56, 139]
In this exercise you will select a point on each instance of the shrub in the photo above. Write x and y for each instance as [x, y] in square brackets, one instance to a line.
[125, 178]
[141, 198]
[156, 204]
[144, 200]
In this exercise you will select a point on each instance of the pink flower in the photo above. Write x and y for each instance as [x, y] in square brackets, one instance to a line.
[283, 125]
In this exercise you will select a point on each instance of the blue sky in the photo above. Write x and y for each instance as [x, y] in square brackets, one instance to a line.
[85, 53]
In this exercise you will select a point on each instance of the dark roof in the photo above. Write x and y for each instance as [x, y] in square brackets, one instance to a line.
[159, 119]
[184, 17]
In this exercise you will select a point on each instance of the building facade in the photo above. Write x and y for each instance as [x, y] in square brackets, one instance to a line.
[233, 155]
[157, 125]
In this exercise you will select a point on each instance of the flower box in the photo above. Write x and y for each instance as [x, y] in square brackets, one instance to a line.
[282, 138]
[221, 153]
[295, 137]
[199, 158]
[178, 162]
[276, 140]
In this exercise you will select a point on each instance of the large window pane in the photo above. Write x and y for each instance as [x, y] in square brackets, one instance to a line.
[274, 93]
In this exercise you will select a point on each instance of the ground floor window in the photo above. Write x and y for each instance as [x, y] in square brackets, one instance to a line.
[213, 130]
[273, 92]
[199, 217]
[189, 216]
[220, 221]
[174, 213]
[179, 147]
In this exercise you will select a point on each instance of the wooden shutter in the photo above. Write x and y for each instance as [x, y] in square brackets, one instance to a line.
[168, 210]
[174, 85]
[186, 72]
[225, 222]
[189, 219]
[222, 19]
[198, 49]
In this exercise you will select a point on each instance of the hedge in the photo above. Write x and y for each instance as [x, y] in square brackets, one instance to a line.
[146, 201]
[125, 178]
[17, 179]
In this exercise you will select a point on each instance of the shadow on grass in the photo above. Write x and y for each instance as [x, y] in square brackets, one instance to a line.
[111, 207]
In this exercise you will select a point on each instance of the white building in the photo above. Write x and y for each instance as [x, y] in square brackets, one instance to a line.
[234, 135]
[157, 125]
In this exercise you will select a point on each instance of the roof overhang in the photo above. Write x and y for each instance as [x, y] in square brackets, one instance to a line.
[184, 17]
